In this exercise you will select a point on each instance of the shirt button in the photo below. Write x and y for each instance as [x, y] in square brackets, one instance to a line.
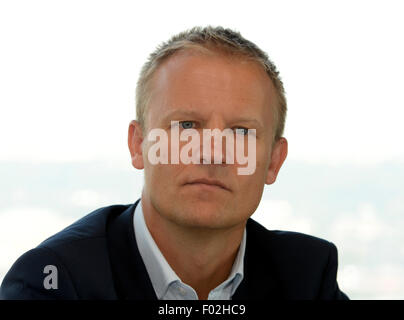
[181, 290]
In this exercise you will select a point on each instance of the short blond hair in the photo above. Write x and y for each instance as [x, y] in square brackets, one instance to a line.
[219, 39]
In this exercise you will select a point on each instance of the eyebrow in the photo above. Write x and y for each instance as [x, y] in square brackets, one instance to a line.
[192, 113]
[178, 112]
[253, 122]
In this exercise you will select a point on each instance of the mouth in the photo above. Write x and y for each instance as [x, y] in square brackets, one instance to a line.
[208, 183]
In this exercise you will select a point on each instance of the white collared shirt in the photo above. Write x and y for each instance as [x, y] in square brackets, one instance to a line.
[166, 283]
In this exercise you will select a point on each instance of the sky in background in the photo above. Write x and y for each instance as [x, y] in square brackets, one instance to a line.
[68, 71]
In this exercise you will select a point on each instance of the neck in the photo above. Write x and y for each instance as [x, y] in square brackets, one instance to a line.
[208, 254]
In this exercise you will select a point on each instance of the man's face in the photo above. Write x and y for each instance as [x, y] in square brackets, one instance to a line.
[209, 92]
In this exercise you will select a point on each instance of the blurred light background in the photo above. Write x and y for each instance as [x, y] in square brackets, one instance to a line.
[68, 71]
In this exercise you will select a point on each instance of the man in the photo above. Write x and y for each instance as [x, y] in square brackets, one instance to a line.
[190, 235]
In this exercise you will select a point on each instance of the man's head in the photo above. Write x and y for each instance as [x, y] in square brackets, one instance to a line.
[210, 78]
[210, 40]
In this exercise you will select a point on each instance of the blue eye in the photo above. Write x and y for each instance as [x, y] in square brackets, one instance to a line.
[187, 124]
[241, 130]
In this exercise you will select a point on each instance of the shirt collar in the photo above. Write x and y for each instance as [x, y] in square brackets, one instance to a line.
[160, 272]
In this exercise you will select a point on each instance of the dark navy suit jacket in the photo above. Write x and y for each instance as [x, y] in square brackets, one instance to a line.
[97, 258]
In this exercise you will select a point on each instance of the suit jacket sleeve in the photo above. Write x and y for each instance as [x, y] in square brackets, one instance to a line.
[25, 279]
[329, 288]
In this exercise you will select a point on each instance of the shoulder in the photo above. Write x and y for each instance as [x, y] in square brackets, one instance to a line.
[288, 240]
[285, 250]
[25, 279]
[75, 252]
[92, 226]
[302, 265]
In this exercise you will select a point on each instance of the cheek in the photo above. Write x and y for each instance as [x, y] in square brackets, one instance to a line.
[263, 156]
[252, 186]
[160, 174]
[249, 195]
[163, 179]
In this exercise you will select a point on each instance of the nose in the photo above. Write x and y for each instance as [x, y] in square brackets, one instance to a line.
[215, 149]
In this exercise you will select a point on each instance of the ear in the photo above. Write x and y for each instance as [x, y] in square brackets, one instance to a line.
[135, 139]
[278, 156]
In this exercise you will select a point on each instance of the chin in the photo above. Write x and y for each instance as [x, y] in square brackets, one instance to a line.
[204, 215]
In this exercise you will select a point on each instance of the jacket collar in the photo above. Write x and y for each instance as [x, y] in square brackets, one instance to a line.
[260, 280]
[132, 281]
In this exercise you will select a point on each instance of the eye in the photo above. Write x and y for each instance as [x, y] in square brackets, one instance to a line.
[241, 130]
[187, 124]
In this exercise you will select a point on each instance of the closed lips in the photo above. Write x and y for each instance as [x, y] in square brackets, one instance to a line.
[209, 182]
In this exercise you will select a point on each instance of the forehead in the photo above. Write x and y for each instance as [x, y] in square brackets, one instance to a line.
[212, 83]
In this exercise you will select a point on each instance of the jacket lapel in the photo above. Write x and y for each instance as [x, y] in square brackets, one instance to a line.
[260, 281]
[132, 280]
[129, 272]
